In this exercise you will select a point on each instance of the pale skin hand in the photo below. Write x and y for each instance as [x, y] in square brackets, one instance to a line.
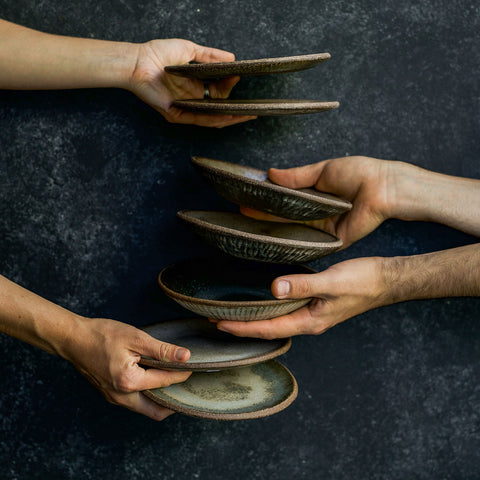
[378, 190]
[32, 60]
[105, 351]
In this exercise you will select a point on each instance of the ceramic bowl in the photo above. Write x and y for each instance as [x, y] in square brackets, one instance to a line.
[251, 187]
[235, 394]
[210, 348]
[259, 240]
[254, 107]
[229, 289]
[261, 66]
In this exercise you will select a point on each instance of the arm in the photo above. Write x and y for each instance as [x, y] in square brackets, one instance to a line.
[378, 190]
[106, 352]
[32, 60]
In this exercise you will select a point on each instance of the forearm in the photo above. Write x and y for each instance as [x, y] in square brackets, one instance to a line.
[448, 273]
[418, 194]
[33, 319]
[32, 60]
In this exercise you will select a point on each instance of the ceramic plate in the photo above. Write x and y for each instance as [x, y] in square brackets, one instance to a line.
[229, 289]
[251, 187]
[210, 348]
[254, 107]
[259, 240]
[262, 66]
[235, 394]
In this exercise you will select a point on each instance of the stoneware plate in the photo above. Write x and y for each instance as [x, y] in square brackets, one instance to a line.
[229, 289]
[259, 240]
[262, 66]
[265, 107]
[251, 187]
[210, 348]
[235, 394]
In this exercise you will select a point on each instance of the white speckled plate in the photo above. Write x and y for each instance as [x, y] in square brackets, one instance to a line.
[260, 66]
[210, 348]
[235, 394]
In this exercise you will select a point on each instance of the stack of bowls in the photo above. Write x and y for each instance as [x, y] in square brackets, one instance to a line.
[237, 378]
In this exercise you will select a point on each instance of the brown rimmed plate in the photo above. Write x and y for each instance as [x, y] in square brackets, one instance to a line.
[258, 107]
[260, 240]
[240, 393]
[229, 289]
[210, 348]
[261, 66]
[250, 187]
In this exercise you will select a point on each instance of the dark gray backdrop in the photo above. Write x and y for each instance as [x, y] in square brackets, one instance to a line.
[91, 181]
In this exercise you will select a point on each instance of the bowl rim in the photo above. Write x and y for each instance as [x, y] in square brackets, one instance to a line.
[225, 303]
[335, 202]
[233, 232]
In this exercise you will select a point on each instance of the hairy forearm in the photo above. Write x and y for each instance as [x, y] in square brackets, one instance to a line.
[33, 319]
[418, 194]
[448, 273]
[32, 60]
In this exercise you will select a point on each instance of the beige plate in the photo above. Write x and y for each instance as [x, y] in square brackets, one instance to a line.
[210, 348]
[262, 66]
[238, 393]
[265, 107]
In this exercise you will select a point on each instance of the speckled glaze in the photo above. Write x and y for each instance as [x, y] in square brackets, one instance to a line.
[229, 289]
[235, 394]
[258, 240]
[262, 66]
[210, 348]
[259, 107]
[251, 187]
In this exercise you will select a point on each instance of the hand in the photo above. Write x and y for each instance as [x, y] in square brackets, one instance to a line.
[366, 182]
[107, 353]
[340, 292]
[159, 89]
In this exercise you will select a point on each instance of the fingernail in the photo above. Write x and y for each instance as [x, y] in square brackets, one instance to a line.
[181, 354]
[283, 288]
[223, 328]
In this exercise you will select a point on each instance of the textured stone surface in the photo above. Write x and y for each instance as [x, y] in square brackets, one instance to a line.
[91, 181]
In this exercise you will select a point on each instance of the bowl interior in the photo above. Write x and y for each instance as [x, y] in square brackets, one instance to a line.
[227, 281]
[286, 231]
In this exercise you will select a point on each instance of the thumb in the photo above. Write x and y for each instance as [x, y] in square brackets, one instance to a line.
[299, 286]
[211, 55]
[162, 351]
[298, 177]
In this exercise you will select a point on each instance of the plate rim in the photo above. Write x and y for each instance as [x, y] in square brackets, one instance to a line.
[183, 215]
[337, 202]
[231, 416]
[221, 365]
[226, 303]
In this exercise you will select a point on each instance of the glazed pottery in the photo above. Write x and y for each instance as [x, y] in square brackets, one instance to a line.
[263, 66]
[229, 289]
[259, 240]
[264, 107]
[238, 393]
[250, 187]
[210, 348]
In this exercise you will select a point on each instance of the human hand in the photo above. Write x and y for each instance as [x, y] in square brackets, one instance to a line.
[153, 85]
[340, 292]
[107, 353]
[368, 183]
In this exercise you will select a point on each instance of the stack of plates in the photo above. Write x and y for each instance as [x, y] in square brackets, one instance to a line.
[237, 378]
[264, 66]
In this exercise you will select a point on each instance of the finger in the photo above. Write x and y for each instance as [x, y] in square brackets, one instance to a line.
[155, 378]
[210, 55]
[296, 323]
[141, 404]
[300, 286]
[183, 117]
[158, 350]
[222, 88]
[297, 177]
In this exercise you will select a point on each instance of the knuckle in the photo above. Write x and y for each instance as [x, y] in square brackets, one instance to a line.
[165, 351]
[302, 287]
[125, 384]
